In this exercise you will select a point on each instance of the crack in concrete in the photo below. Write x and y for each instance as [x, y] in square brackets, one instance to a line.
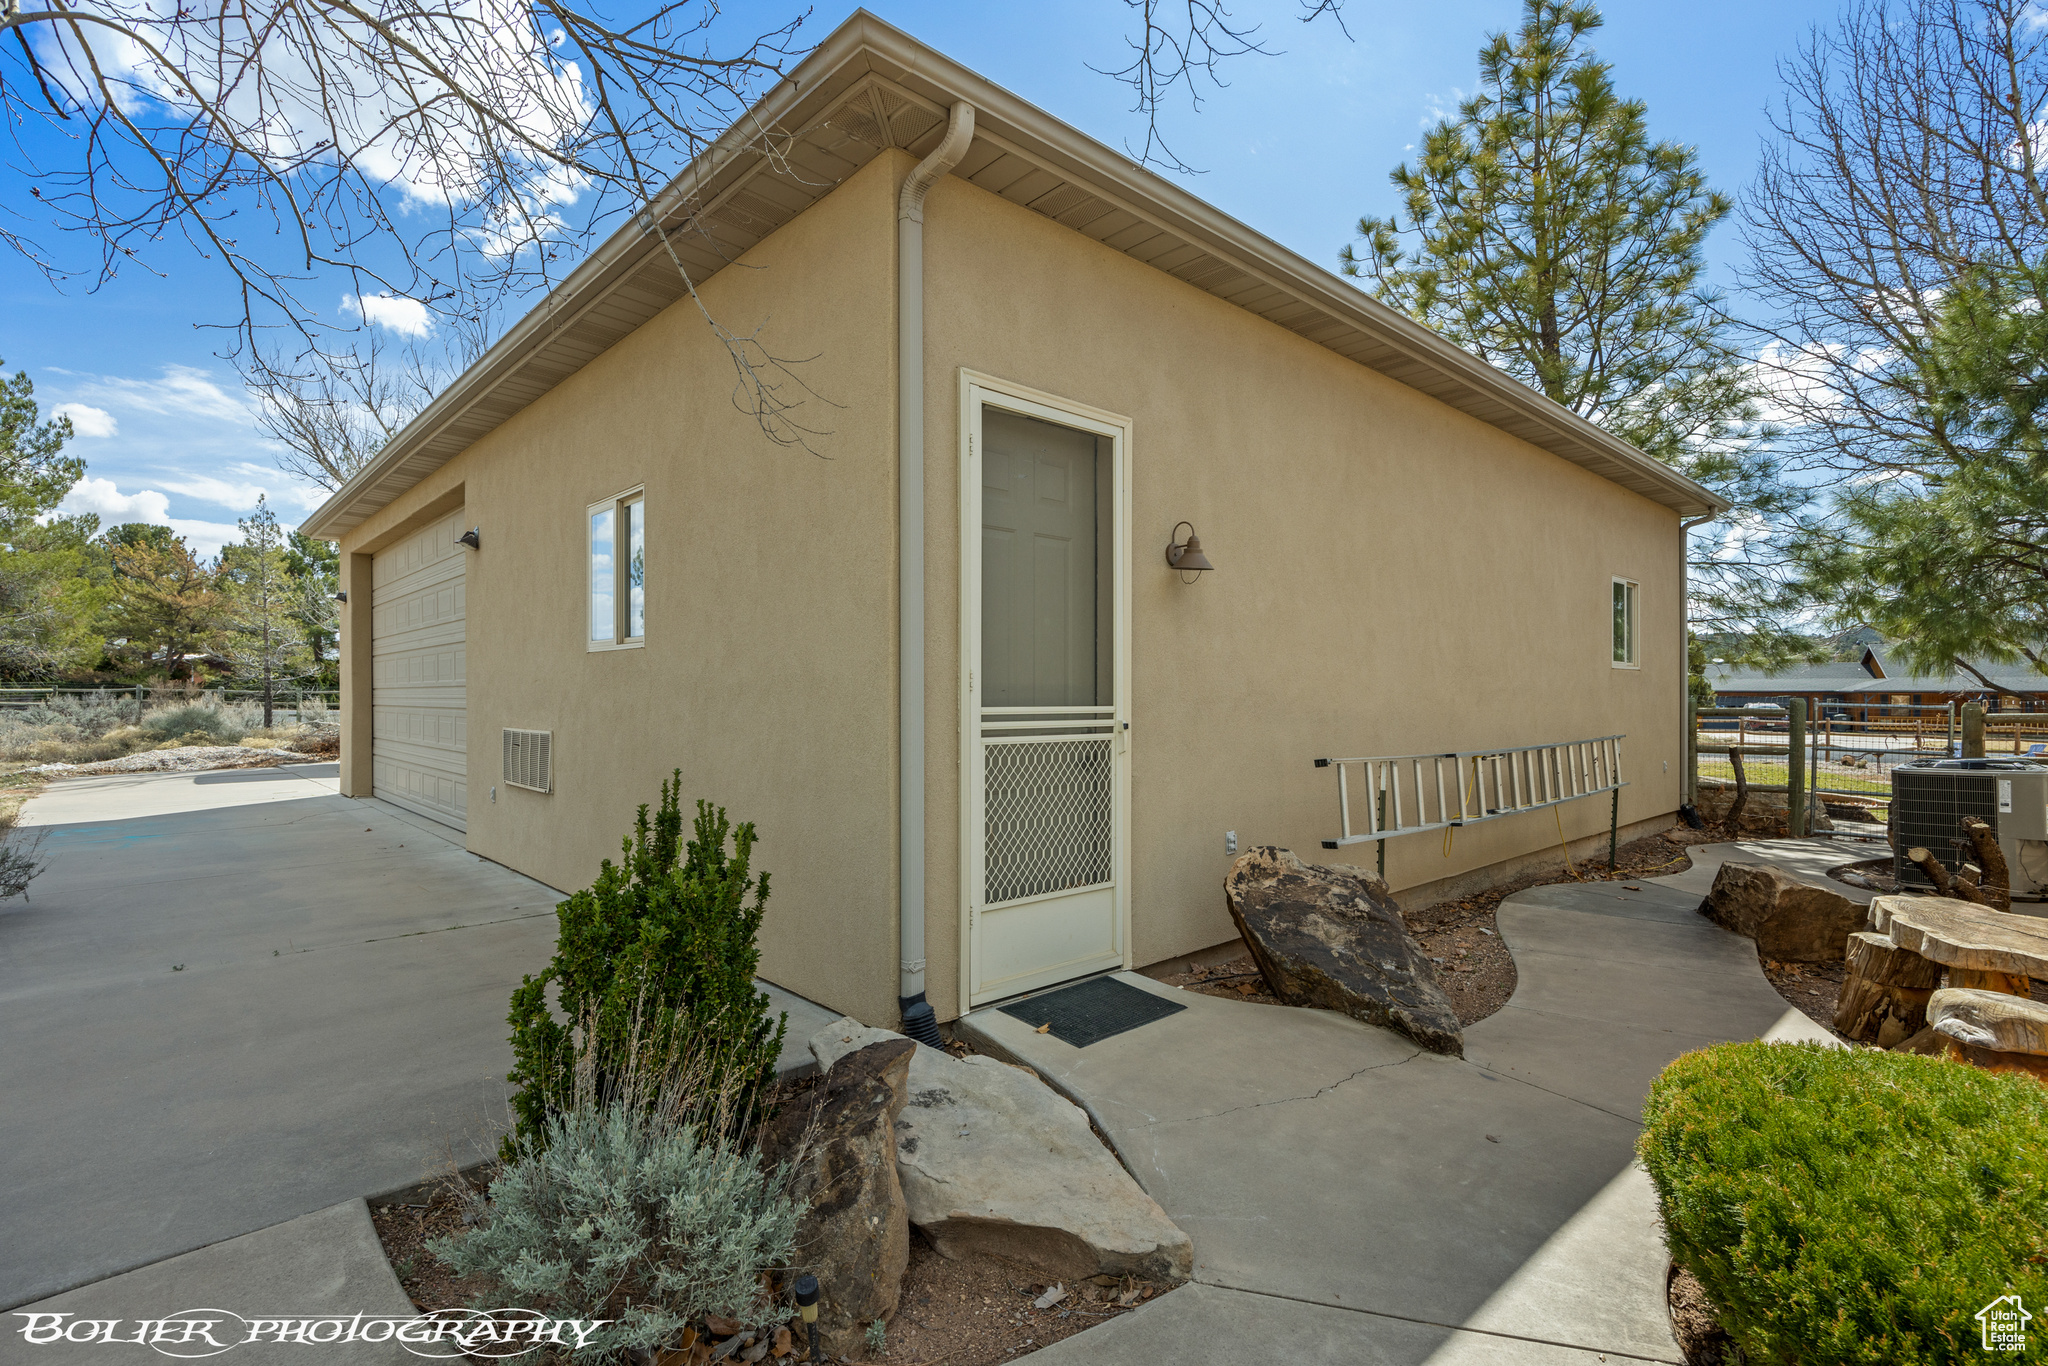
[1636, 1120]
[1436, 1323]
[1288, 1100]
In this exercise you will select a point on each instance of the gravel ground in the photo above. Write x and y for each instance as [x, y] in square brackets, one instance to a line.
[183, 759]
[1474, 967]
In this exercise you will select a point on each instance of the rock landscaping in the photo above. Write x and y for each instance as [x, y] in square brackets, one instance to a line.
[1790, 920]
[993, 1161]
[1332, 937]
[855, 1235]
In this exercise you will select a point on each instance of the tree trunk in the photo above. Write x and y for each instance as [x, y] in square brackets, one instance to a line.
[1741, 799]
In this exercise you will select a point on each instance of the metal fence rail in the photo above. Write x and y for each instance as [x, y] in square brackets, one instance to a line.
[1847, 750]
[15, 697]
[1411, 794]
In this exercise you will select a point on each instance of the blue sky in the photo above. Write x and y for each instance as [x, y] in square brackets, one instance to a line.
[1298, 146]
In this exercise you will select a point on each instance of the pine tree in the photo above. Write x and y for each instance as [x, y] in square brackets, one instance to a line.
[166, 600]
[1543, 230]
[1949, 555]
[266, 641]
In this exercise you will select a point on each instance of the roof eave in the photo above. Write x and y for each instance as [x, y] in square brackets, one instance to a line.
[866, 41]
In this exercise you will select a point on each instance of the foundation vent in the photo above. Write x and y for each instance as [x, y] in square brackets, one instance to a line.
[530, 760]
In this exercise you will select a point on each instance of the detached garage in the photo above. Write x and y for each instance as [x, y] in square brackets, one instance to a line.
[994, 728]
[419, 707]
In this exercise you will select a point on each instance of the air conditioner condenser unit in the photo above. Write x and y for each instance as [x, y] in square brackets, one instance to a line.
[1931, 797]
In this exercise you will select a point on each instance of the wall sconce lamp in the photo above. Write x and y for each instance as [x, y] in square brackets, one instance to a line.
[1187, 556]
[473, 538]
[341, 597]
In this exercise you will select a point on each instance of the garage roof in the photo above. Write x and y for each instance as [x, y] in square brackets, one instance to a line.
[868, 87]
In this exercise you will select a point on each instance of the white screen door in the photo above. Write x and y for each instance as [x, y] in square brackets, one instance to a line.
[1044, 651]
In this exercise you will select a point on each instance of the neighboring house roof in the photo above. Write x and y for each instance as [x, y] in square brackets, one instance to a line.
[1878, 671]
[868, 87]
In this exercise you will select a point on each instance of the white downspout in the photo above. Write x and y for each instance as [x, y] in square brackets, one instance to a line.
[1686, 756]
[918, 1020]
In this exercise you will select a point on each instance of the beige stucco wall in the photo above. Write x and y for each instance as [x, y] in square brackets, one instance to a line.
[768, 676]
[1393, 576]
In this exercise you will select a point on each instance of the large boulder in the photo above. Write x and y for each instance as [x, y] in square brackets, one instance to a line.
[1333, 938]
[1791, 921]
[855, 1235]
[994, 1160]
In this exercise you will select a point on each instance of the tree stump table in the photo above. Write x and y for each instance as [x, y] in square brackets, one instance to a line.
[1982, 949]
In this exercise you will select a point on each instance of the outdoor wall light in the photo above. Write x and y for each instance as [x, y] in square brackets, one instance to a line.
[807, 1305]
[341, 597]
[473, 538]
[1187, 556]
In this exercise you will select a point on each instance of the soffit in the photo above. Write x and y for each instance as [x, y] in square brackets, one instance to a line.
[869, 87]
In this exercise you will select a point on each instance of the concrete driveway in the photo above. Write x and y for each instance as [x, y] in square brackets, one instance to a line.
[221, 1018]
[236, 998]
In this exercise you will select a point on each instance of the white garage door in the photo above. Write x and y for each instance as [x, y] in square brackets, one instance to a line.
[420, 727]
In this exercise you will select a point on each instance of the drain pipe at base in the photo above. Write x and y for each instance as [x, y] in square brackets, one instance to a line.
[919, 1022]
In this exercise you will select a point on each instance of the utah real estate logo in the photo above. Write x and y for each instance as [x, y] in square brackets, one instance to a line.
[2005, 1322]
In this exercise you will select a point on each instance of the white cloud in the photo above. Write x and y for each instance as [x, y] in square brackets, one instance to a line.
[101, 496]
[407, 317]
[87, 420]
[1437, 108]
[113, 506]
[207, 489]
[181, 390]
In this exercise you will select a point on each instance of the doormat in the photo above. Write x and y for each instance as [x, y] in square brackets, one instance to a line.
[1091, 1011]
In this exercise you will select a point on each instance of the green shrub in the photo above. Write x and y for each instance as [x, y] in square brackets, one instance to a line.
[658, 952]
[622, 1213]
[1850, 1205]
[220, 725]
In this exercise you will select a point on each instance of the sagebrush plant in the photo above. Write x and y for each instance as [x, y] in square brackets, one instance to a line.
[659, 948]
[101, 724]
[1849, 1205]
[223, 722]
[640, 1200]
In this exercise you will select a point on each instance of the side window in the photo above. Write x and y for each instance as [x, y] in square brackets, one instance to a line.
[1624, 624]
[618, 571]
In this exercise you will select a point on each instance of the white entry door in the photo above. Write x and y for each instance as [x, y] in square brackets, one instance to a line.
[1045, 656]
[419, 706]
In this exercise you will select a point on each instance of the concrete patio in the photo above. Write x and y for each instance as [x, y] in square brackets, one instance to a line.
[239, 1003]
[235, 999]
[1354, 1199]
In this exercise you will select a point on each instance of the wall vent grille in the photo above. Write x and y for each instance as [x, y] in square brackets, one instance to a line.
[530, 760]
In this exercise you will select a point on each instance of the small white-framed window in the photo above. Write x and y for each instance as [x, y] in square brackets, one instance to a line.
[618, 572]
[1624, 624]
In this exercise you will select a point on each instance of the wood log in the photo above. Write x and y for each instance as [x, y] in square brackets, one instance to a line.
[1927, 863]
[1997, 880]
[1926, 1044]
[1885, 990]
[1964, 888]
[1990, 1019]
[2026, 1064]
[1875, 958]
[1986, 979]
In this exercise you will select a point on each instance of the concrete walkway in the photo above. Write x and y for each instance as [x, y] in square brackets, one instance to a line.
[1354, 1199]
[236, 999]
